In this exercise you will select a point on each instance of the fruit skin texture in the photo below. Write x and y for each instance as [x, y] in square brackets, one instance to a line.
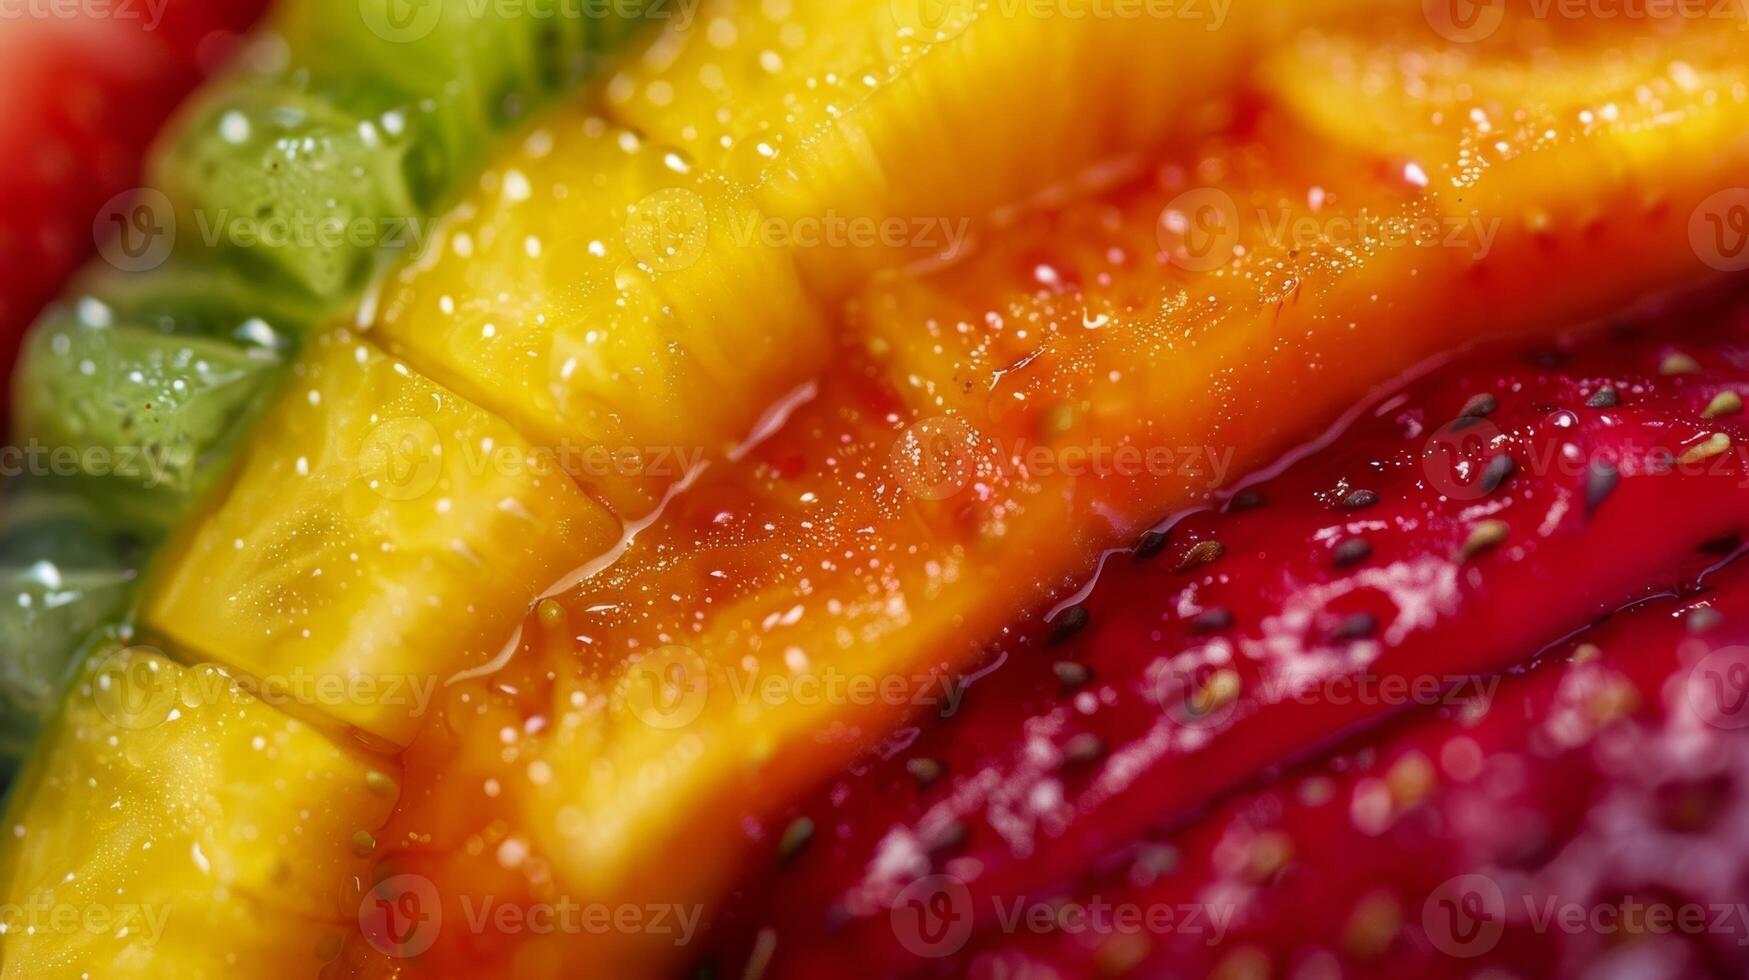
[88, 96]
[608, 801]
[774, 550]
[1070, 767]
[1599, 784]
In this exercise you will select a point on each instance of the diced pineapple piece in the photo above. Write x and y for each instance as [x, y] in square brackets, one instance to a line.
[378, 535]
[854, 112]
[612, 303]
[172, 825]
[1472, 117]
[900, 520]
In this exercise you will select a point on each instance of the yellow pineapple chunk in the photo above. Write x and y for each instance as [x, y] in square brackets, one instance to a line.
[173, 825]
[612, 303]
[852, 114]
[378, 535]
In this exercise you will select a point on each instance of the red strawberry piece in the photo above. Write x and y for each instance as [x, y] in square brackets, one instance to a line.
[1584, 818]
[1260, 635]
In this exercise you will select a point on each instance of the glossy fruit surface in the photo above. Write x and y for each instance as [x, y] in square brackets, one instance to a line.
[1453, 533]
[882, 469]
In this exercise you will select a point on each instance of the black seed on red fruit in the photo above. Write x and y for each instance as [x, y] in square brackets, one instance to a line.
[1485, 536]
[1071, 674]
[1154, 860]
[1201, 553]
[1248, 500]
[1068, 622]
[1357, 626]
[1359, 500]
[1149, 544]
[950, 837]
[1692, 805]
[1478, 407]
[795, 837]
[925, 770]
[1352, 551]
[1600, 481]
[1605, 397]
[1703, 619]
[1082, 750]
[1498, 471]
[1677, 363]
[1549, 358]
[1211, 620]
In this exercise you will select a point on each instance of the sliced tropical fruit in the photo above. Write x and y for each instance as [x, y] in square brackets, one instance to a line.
[607, 298]
[287, 185]
[174, 825]
[362, 117]
[875, 127]
[378, 535]
[1457, 528]
[1151, 341]
[1607, 779]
